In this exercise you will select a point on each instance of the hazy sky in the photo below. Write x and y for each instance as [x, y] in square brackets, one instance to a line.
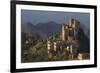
[36, 17]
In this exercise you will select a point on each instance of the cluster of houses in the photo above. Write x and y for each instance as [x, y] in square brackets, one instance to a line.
[68, 40]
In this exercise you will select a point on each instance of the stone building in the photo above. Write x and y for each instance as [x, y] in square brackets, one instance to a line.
[69, 35]
[70, 31]
[67, 38]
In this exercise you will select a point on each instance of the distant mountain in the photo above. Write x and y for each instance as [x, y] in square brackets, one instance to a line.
[32, 29]
[83, 41]
[42, 29]
[85, 30]
[28, 27]
[50, 28]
